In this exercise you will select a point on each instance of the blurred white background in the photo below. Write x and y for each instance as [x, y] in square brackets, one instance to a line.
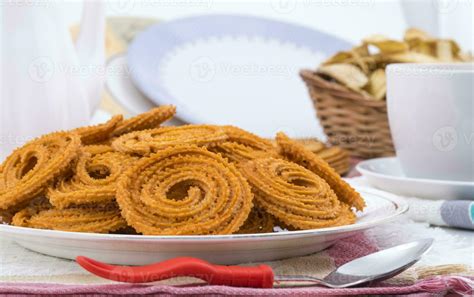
[24, 41]
[349, 19]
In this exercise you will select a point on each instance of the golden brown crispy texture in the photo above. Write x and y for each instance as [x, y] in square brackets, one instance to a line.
[95, 219]
[27, 171]
[258, 221]
[332, 154]
[148, 120]
[148, 141]
[312, 144]
[246, 138]
[341, 169]
[93, 178]
[5, 216]
[295, 195]
[295, 152]
[2, 181]
[98, 133]
[236, 152]
[184, 190]
[242, 146]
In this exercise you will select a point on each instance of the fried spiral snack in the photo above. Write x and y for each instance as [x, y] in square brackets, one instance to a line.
[98, 218]
[98, 133]
[295, 195]
[184, 190]
[295, 152]
[242, 146]
[5, 217]
[258, 221]
[148, 141]
[27, 171]
[92, 180]
[246, 138]
[236, 152]
[147, 120]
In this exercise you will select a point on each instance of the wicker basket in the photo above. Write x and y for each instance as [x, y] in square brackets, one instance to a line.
[349, 119]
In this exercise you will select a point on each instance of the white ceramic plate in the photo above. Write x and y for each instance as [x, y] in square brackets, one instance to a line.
[386, 174]
[122, 89]
[228, 69]
[223, 249]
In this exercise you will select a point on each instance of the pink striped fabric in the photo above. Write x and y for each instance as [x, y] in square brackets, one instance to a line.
[439, 285]
[341, 252]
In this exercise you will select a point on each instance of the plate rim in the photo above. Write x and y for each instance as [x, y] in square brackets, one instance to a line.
[370, 173]
[113, 61]
[400, 204]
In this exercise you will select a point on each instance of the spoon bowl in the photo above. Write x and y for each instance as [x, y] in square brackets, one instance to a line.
[376, 266]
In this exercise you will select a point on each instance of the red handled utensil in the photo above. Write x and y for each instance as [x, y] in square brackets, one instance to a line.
[379, 265]
[236, 276]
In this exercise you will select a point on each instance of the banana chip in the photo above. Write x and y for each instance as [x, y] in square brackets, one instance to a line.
[444, 52]
[423, 47]
[416, 34]
[411, 57]
[338, 58]
[466, 57]
[347, 74]
[377, 86]
[363, 70]
[386, 45]
[359, 53]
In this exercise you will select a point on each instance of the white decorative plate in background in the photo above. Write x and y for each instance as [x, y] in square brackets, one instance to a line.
[240, 70]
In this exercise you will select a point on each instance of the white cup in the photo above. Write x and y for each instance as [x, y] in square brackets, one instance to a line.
[431, 116]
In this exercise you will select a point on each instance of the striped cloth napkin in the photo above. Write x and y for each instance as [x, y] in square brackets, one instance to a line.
[450, 213]
[446, 213]
[26, 272]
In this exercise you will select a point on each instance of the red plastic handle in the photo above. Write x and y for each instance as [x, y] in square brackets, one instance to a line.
[255, 277]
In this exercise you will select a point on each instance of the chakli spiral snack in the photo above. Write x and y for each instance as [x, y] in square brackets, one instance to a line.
[97, 218]
[184, 190]
[313, 145]
[122, 176]
[242, 146]
[27, 171]
[295, 152]
[332, 154]
[246, 138]
[295, 195]
[147, 120]
[338, 158]
[92, 179]
[5, 216]
[236, 152]
[98, 133]
[258, 221]
[148, 141]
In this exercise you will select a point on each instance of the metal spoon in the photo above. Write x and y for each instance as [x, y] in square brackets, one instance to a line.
[380, 265]
[376, 266]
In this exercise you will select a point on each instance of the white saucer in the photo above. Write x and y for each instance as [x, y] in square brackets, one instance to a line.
[386, 174]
